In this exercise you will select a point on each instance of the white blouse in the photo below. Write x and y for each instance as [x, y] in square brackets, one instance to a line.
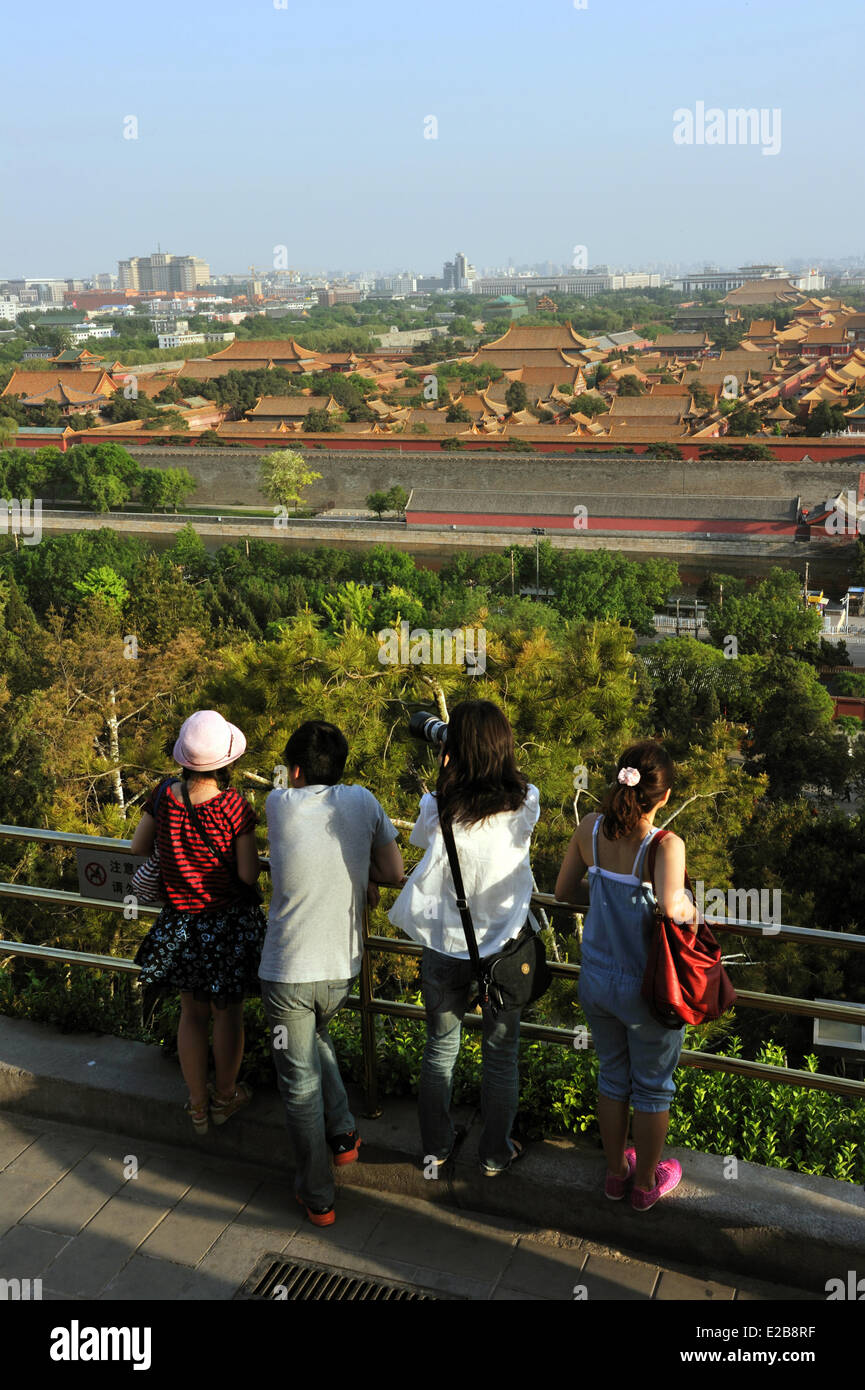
[497, 877]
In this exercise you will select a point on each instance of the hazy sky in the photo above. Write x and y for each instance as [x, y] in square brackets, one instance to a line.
[260, 126]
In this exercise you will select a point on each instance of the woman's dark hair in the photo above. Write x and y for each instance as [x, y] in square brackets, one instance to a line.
[320, 751]
[222, 776]
[481, 776]
[623, 806]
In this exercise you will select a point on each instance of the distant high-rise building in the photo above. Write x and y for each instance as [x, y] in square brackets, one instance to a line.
[49, 291]
[162, 272]
[459, 274]
[341, 294]
[396, 284]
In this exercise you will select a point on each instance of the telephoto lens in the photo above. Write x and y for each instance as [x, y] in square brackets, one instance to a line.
[427, 726]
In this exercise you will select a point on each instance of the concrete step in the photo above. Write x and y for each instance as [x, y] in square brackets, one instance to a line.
[738, 1218]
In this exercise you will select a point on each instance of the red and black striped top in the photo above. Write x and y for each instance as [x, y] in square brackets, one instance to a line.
[193, 877]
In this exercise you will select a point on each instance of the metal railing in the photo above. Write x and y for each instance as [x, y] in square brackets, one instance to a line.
[369, 1005]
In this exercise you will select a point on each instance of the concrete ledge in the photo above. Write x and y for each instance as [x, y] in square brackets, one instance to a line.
[766, 1223]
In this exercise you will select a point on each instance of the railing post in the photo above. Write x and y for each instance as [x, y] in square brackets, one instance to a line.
[372, 1107]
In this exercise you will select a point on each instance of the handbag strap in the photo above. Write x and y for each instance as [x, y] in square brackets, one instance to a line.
[200, 830]
[652, 854]
[157, 797]
[650, 862]
[462, 903]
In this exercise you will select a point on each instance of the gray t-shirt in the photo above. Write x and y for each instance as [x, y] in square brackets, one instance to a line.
[320, 843]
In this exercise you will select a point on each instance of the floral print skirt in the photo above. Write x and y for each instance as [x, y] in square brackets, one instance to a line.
[214, 954]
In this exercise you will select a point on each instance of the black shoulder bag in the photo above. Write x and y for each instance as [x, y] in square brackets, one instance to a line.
[513, 977]
[246, 892]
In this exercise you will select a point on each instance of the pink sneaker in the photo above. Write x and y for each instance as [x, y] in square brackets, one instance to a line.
[614, 1187]
[667, 1176]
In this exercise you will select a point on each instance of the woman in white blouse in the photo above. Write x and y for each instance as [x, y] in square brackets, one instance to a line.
[493, 810]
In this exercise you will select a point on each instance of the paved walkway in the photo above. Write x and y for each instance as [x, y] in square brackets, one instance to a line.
[98, 1216]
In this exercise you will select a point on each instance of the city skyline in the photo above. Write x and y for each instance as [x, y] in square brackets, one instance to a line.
[542, 268]
[284, 127]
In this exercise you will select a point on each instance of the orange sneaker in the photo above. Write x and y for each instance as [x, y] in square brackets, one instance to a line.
[345, 1147]
[319, 1216]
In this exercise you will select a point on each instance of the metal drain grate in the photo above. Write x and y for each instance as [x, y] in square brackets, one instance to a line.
[275, 1279]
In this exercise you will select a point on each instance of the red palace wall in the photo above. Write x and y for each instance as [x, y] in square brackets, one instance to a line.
[605, 523]
[850, 705]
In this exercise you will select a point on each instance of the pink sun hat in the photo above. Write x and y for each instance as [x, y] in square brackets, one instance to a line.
[207, 742]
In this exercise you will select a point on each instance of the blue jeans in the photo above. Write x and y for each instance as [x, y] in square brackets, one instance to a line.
[637, 1055]
[316, 1104]
[446, 983]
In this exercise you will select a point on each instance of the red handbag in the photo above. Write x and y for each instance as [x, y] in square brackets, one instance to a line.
[684, 980]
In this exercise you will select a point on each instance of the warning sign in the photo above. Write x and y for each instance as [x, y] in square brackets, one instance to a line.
[106, 876]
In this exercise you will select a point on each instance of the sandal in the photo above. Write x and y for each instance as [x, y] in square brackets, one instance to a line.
[198, 1117]
[517, 1152]
[222, 1110]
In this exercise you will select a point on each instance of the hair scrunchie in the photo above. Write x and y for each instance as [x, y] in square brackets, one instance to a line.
[628, 776]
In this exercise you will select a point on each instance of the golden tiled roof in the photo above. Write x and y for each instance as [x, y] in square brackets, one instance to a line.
[272, 349]
[649, 433]
[650, 407]
[240, 429]
[270, 407]
[836, 333]
[821, 393]
[148, 384]
[82, 383]
[762, 292]
[207, 369]
[534, 339]
[668, 341]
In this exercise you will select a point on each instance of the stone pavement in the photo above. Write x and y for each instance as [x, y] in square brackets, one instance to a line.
[101, 1216]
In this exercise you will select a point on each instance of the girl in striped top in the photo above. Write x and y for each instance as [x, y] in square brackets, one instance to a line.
[207, 940]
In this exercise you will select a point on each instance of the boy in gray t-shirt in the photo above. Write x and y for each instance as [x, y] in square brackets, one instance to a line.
[329, 845]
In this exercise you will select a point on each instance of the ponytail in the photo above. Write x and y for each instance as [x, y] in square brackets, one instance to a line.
[643, 774]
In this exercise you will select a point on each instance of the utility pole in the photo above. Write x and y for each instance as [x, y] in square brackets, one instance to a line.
[537, 532]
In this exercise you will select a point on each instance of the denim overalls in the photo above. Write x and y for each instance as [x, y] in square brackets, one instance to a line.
[637, 1055]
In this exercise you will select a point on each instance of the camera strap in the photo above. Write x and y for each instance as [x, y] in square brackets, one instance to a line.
[246, 891]
[465, 913]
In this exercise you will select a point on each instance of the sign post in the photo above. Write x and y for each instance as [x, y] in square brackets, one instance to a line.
[106, 875]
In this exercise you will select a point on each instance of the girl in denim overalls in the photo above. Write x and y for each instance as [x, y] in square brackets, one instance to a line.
[637, 1055]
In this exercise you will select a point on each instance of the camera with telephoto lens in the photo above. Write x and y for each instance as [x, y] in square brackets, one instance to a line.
[427, 726]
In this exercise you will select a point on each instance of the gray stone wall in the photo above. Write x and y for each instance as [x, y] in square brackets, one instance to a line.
[228, 477]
